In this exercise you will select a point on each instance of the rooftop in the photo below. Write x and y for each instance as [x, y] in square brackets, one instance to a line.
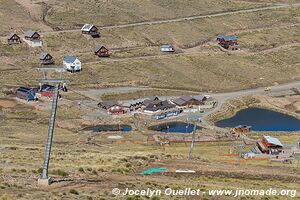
[87, 27]
[30, 33]
[272, 140]
[69, 59]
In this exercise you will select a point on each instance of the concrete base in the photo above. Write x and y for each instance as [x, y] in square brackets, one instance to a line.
[44, 182]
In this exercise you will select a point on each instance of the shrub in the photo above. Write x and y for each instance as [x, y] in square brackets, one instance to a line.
[40, 170]
[95, 172]
[73, 191]
[81, 169]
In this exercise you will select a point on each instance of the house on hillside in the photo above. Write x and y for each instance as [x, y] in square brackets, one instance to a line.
[27, 94]
[46, 59]
[33, 38]
[154, 104]
[101, 51]
[228, 42]
[167, 48]
[13, 38]
[188, 101]
[90, 29]
[112, 107]
[72, 64]
[270, 145]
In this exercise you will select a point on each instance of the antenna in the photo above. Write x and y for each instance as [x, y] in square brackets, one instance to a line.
[44, 179]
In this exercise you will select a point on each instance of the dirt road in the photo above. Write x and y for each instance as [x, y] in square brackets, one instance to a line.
[182, 18]
[223, 97]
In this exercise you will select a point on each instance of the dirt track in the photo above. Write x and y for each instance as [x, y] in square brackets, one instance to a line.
[273, 7]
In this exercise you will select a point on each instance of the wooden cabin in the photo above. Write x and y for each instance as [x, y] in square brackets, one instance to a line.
[32, 36]
[13, 38]
[90, 29]
[242, 129]
[270, 145]
[188, 101]
[228, 42]
[101, 51]
[112, 107]
[46, 59]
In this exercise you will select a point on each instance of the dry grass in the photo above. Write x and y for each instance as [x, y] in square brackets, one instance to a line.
[70, 14]
[112, 165]
[217, 72]
[14, 17]
[142, 94]
[268, 39]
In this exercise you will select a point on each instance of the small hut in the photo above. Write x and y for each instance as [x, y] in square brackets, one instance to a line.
[46, 59]
[90, 29]
[101, 51]
[13, 38]
[228, 42]
[32, 36]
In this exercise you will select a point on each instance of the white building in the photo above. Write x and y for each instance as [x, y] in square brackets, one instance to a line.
[72, 64]
[167, 48]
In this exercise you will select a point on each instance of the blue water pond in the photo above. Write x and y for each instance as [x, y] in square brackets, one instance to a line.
[262, 120]
[174, 127]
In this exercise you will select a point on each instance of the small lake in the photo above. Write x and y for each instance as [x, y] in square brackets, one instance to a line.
[262, 120]
[109, 128]
[174, 127]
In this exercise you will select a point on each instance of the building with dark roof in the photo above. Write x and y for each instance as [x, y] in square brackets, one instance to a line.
[32, 35]
[101, 51]
[157, 105]
[13, 38]
[46, 58]
[189, 100]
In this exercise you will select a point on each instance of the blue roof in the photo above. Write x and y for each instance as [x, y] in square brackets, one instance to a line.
[227, 37]
[69, 59]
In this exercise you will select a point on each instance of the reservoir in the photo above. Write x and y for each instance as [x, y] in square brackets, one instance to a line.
[174, 127]
[262, 120]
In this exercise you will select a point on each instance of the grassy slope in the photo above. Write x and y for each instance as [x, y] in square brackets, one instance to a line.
[14, 17]
[22, 157]
[267, 39]
[207, 68]
[199, 72]
[72, 14]
[198, 31]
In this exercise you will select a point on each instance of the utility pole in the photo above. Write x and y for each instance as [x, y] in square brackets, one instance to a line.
[45, 179]
[193, 141]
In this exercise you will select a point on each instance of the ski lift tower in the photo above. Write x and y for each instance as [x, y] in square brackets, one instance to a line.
[193, 136]
[44, 179]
